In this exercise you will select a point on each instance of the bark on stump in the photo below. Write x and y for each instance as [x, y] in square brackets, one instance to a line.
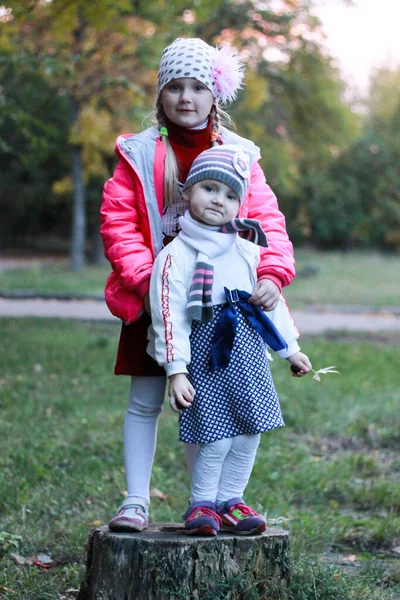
[164, 563]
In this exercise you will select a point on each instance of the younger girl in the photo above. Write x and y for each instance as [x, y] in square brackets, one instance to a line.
[213, 345]
[141, 206]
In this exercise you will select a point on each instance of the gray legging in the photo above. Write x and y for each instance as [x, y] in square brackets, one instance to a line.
[140, 432]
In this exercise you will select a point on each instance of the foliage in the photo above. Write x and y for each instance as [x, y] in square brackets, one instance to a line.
[362, 205]
[94, 67]
[32, 151]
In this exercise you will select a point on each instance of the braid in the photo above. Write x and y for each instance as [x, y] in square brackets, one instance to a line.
[171, 166]
[219, 117]
[215, 123]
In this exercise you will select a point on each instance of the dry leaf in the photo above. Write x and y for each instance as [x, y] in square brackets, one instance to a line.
[41, 560]
[350, 558]
[96, 523]
[18, 559]
[70, 594]
[155, 493]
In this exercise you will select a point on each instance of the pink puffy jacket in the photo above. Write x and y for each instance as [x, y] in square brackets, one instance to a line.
[131, 223]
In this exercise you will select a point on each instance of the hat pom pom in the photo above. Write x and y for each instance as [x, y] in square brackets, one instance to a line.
[228, 74]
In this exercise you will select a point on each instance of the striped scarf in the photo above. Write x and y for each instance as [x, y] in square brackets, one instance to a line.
[210, 242]
[249, 229]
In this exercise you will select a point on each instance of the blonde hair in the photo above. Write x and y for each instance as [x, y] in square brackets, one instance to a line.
[171, 171]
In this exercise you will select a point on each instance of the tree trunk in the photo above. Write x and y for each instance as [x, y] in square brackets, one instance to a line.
[77, 253]
[165, 563]
[78, 212]
[98, 257]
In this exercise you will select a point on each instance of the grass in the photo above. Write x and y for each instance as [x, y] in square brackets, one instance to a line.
[344, 278]
[323, 278]
[330, 476]
[57, 278]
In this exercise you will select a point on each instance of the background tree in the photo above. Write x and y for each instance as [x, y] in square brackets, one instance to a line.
[88, 53]
[367, 177]
[76, 74]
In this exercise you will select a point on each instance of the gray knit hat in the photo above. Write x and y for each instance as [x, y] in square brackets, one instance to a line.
[220, 69]
[228, 163]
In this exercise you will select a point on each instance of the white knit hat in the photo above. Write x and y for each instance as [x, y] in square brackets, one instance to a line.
[219, 69]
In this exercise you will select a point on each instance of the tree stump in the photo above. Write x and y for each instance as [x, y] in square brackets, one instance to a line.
[164, 563]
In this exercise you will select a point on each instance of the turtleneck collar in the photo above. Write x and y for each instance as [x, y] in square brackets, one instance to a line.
[189, 138]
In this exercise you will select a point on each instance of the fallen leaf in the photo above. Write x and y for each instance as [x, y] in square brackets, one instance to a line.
[70, 594]
[18, 559]
[41, 560]
[350, 558]
[155, 493]
[96, 523]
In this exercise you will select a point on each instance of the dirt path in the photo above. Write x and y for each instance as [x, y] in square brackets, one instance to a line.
[308, 322]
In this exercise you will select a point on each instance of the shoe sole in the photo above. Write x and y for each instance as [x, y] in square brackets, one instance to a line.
[126, 528]
[255, 531]
[203, 530]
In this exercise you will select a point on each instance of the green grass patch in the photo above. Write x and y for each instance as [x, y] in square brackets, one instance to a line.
[58, 278]
[330, 476]
[346, 278]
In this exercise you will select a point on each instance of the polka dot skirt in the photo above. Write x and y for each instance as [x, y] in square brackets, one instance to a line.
[240, 399]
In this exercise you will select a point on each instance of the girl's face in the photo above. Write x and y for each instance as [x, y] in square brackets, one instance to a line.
[213, 202]
[186, 101]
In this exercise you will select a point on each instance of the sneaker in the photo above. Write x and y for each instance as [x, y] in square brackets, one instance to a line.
[239, 518]
[201, 519]
[133, 515]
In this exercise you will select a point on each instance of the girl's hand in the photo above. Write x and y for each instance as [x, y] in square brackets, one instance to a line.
[300, 364]
[265, 294]
[181, 392]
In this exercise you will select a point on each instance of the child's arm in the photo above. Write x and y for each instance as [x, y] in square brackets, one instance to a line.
[125, 245]
[277, 261]
[170, 330]
[283, 321]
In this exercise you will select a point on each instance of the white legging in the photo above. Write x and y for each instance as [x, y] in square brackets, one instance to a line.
[222, 469]
[140, 432]
[229, 460]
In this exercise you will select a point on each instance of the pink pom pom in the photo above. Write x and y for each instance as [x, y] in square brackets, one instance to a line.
[228, 74]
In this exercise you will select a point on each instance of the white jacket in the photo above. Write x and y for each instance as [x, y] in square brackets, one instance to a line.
[170, 282]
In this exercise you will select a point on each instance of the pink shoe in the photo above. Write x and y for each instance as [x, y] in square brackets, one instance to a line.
[201, 519]
[240, 519]
[133, 515]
